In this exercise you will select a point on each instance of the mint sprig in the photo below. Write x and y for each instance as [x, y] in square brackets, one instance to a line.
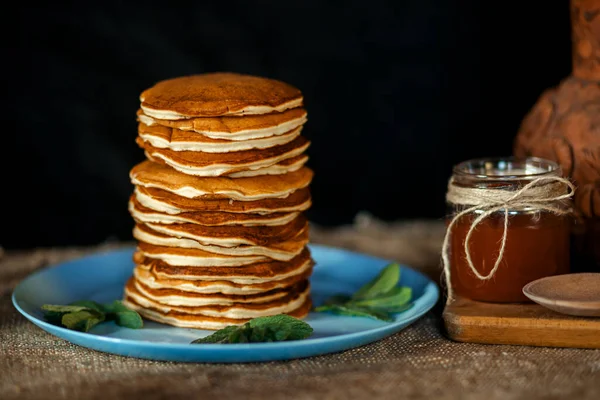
[377, 299]
[274, 328]
[85, 314]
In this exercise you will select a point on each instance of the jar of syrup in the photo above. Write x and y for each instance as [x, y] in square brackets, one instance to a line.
[536, 244]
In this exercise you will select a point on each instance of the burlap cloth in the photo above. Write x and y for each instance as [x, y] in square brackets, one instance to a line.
[418, 362]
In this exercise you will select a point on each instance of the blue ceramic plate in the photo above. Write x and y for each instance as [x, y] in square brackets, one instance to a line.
[101, 278]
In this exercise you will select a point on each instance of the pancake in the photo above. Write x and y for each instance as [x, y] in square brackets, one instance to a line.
[234, 235]
[284, 167]
[195, 257]
[283, 251]
[211, 218]
[150, 278]
[222, 164]
[291, 300]
[178, 297]
[217, 94]
[153, 175]
[167, 138]
[169, 203]
[265, 270]
[243, 130]
[199, 321]
[296, 303]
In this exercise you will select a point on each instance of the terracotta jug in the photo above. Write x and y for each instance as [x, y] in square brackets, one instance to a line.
[564, 126]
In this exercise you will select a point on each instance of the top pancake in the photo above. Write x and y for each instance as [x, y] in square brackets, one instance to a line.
[217, 94]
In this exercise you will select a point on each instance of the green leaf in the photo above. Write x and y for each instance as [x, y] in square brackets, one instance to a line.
[91, 322]
[122, 315]
[53, 317]
[397, 296]
[82, 320]
[129, 319]
[115, 307]
[64, 309]
[400, 308]
[376, 299]
[298, 329]
[282, 334]
[240, 335]
[355, 311]
[220, 336]
[386, 280]
[89, 304]
[259, 334]
[84, 314]
[263, 329]
[338, 299]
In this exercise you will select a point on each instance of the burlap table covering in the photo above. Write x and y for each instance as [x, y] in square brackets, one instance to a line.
[418, 362]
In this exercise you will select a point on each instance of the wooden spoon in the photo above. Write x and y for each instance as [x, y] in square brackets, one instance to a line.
[573, 294]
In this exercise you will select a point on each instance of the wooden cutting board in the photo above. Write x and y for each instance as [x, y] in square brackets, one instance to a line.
[521, 324]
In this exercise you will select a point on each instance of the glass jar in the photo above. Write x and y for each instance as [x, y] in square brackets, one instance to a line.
[537, 240]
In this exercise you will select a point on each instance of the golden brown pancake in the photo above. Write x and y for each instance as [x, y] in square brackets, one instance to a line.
[149, 277]
[210, 218]
[283, 251]
[154, 175]
[185, 320]
[191, 316]
[161, 200]
[176, 140]
[231, 128]
[224, 164]
[228, 310]
[178, 297]
[217, 94]
[283, 167]
[195, 256]
[261, 271]
[231, 235]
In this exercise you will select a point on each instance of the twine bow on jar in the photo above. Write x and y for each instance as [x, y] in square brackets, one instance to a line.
[550, 194]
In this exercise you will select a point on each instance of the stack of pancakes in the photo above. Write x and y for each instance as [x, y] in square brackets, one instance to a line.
[219, 203]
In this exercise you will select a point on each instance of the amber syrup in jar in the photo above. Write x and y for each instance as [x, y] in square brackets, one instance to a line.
[537, 242]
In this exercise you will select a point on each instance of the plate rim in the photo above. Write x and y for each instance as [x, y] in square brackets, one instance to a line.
[430, 290]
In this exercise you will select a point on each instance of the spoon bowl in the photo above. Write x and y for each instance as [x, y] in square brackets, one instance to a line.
[572, 294]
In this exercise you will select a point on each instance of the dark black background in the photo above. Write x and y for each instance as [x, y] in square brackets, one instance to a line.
[397, 92]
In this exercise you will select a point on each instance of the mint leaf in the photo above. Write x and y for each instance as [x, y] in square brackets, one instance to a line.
[89, 304]
[220, 336]
[376, 299]
[82, 320]
[338, 299]
[283, 334]
[83, 315]
[397, 296]
[115, 307]
[129, 319]
[297, 328]
[386, 280]
[91, 322]
[122, 315]
[399, 308]
[355, 311]
[53, 317]
[64, 309]
[239, 336]
[259, 334]
[274, 328]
